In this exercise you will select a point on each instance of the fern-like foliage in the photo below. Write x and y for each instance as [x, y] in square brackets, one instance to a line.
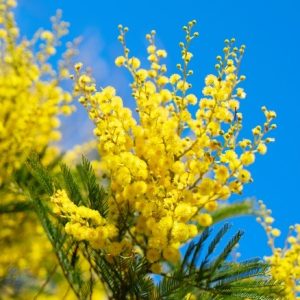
[124, 277]
[204, 270]
[96, 194]
[213, 277]
[63, 245]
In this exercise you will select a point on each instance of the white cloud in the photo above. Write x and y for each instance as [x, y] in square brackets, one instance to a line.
[90, 53]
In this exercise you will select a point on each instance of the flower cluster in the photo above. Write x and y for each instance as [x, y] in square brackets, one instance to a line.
[168, 168]
[285, 262]
[31, 100]
[31, 97]
[83, 223]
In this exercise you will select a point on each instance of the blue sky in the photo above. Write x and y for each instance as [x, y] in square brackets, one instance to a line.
[271, 31]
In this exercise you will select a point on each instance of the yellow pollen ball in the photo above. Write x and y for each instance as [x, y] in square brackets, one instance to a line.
[178, 167]
[47, 35]
[205, 220]
[171, 254]
[161, 53]
[244, 176]
[120, 60]
[151, 49]
[153, 255]
[191, 99]
[156, 268]
[247, 158]
[174, 78]
[275, 232]
[134, 62]
[261, 148]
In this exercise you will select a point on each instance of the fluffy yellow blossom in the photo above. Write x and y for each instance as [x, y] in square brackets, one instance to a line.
[285, 262]
[191, 99]
[171, 254]
[275, 232]
[156, 268]
[134, 62]
[151, 49]
[120, 60]
[161, 53]
[187, 56]
[205, 220]
[244, 175]
[78, 66]
[85, 223]
[31, 100]
[47, 35]
[221, 173]
[168, 168]
[262, 148]
[153, 255]
[30, 105]
[174, 78]
[247, 158]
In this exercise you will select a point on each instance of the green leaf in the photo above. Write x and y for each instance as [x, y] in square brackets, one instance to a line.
[41, 174]
[96, 195]
[227, 211]
[71, 185]
[15, 207]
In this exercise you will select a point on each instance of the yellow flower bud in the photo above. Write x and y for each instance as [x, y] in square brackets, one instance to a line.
[120, 60]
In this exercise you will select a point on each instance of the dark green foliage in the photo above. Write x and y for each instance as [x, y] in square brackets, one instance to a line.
[41, 175]
[71, 186]
[61, 242]
[22, 179]
[96, 194]
[15, 207]
[125, 277]
[216, 278]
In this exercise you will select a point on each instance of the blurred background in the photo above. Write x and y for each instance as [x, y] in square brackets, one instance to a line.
[271, 31]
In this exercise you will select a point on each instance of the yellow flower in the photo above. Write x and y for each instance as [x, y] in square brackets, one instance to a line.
[47, 35]
[156, 268]
[247, 158]
[261, 148]
[171, 254]
[205, 220]
[284, 262]
[167, 166]
[180, 232]
[275, 232]
[153, 255]
[161, 53]
[211, 80]
[244, 175]
[191, 99]
[120, 60]
[178, 167]
[151, 49]
[134, 62]
[221, 173]
[240, 93]
[174, 78]
[78, 66]
[142, 74]
[187, 56]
